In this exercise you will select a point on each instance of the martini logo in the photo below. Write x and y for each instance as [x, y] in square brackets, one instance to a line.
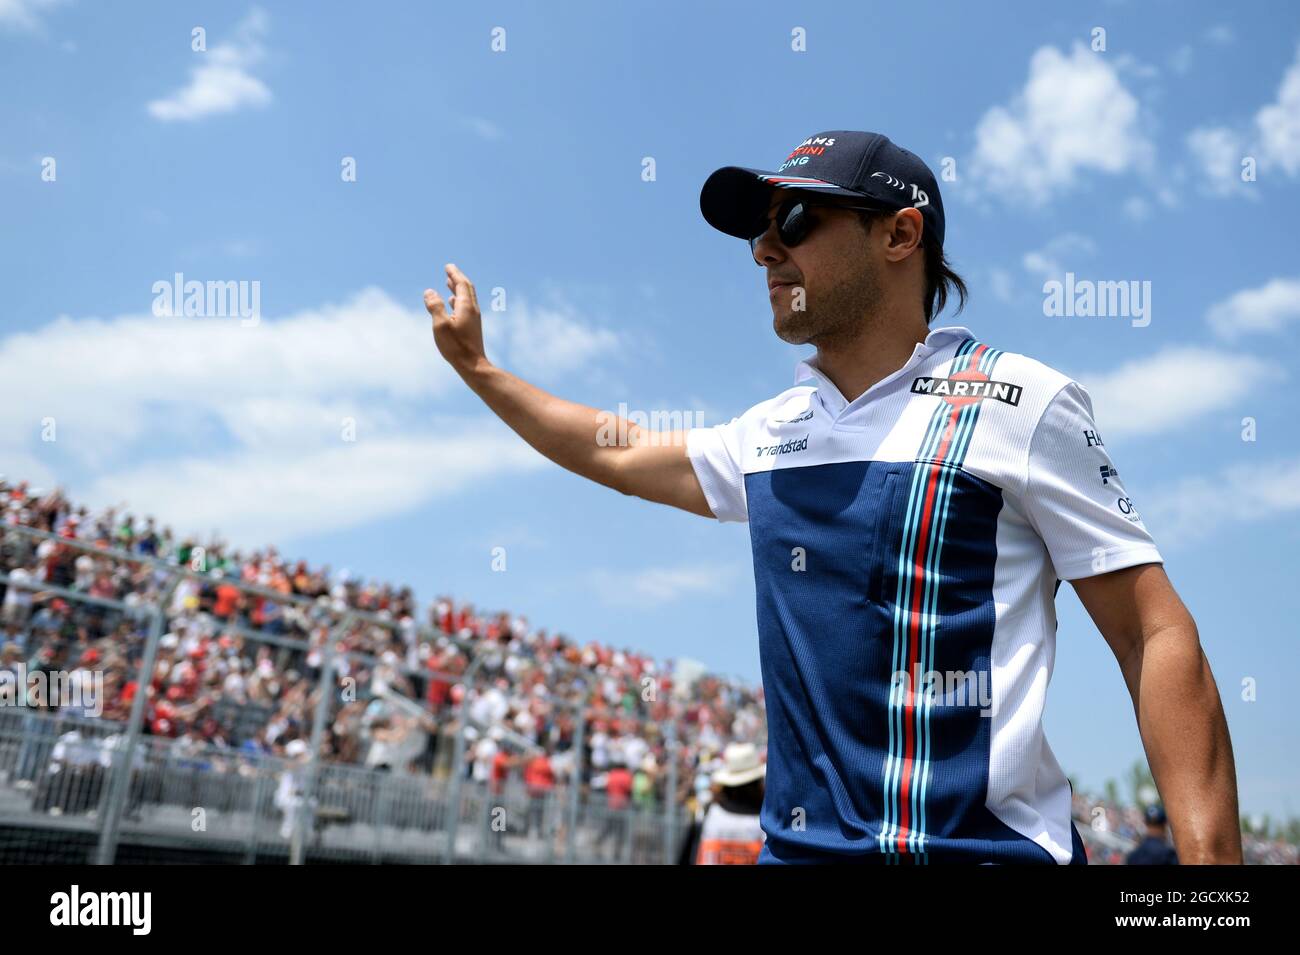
[967, 387]
[812, 147]
[808, 149]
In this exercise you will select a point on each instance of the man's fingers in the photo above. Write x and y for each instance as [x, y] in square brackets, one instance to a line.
[460, 285]
[433, 302]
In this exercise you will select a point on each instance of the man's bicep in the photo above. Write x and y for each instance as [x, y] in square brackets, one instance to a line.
[1112, 603]
[1130, 605]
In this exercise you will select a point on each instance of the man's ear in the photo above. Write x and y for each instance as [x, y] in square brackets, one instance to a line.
[905, 231]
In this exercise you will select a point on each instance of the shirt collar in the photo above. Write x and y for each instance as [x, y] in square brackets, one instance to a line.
[807, 372]
[938, 338]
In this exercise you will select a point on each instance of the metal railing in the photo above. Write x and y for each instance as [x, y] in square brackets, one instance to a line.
[55, 775]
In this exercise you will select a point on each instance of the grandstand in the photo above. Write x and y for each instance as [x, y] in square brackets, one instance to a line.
[266, 670]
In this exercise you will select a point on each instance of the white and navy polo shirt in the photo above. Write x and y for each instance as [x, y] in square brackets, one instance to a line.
[908, 547]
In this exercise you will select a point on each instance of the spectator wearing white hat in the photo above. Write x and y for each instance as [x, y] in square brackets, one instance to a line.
[730, 833]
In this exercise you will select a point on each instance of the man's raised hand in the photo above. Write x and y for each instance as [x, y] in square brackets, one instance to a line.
[459, 334]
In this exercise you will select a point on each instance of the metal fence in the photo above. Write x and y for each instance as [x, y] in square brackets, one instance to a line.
[77, 789]
[219, 803]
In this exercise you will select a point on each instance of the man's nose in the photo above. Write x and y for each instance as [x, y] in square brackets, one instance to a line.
[768, 248]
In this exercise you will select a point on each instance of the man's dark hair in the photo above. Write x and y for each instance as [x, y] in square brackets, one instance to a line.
[940, 280]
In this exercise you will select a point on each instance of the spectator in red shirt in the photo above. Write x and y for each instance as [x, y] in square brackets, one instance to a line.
[539, 778]
[618, 793]
[227, 600]
[501, 764]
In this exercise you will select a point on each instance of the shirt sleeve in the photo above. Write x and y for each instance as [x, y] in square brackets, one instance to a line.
[715, 455]
[1074, 496]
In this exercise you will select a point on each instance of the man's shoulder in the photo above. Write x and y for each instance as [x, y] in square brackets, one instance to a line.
[1034, 385]
[1029, 372]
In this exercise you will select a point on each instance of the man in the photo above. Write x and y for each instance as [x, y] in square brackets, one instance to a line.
[914, 502]
[618, 794]
[1155, 848]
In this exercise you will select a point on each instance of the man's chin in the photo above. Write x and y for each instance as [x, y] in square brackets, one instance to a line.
[791, 330]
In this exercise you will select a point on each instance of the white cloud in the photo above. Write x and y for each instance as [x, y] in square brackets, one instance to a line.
[1074, 115]
[1221, 34]
[273, 494]
[1268, 308]
[1197, 506]
[25, 15]
[111, 373]
[484, 128]
[1180, 61]
[222, 82]
[659, 585]
[1278, 124]
[1172, 388]
[1273, 141]
[206, 422]
[544, 342]
[1219, 151]
[1137, 208]
[1002, 285]
[1045, 263]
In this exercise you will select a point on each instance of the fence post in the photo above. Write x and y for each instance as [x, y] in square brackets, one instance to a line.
[119, 783]
[458, 762]
[307, 813]
[575, 785]
[259, 793]
[670, 792]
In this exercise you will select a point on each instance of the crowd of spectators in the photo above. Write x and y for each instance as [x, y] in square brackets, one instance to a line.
[242, 670]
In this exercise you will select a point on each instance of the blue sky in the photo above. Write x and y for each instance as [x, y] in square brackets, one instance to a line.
[525, 167]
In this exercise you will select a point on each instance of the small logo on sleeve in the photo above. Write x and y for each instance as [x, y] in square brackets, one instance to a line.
[1108, 472]
[806, 416]
[968, 387]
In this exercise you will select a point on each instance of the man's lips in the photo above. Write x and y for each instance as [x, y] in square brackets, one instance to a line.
[775, 287]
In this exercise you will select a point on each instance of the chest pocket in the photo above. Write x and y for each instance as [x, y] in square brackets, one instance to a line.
[887, 539]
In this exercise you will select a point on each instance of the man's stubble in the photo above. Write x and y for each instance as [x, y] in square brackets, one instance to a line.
[838, 313]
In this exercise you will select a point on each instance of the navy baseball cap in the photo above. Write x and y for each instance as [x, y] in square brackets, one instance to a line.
[1155, 816]
[841, 162]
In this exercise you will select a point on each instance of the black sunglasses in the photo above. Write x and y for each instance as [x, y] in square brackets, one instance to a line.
[793, 221]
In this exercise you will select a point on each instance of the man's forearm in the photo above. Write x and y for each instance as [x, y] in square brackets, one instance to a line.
[1183, 728]
[566, 432]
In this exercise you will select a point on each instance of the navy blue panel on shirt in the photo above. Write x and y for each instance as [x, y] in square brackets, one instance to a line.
[828, 637]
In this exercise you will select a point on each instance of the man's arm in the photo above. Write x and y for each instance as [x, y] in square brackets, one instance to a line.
[1179, 714]
[594, 444]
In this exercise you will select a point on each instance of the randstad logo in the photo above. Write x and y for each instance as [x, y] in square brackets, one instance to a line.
[786, 447]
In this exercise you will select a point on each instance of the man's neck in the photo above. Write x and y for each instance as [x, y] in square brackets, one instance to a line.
[876, 352]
